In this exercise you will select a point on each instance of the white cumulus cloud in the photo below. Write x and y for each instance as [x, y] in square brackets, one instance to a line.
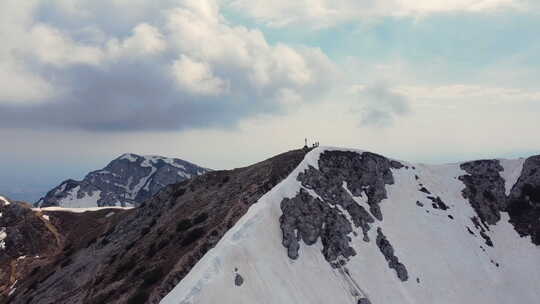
[51, 46]
[324, 13]
[145, 40]
[197, 77]
[161, 64]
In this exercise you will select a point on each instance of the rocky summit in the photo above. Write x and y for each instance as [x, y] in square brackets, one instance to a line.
[321, 225]
[125, 181]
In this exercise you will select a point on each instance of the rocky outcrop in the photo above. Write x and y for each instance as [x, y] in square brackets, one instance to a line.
[365, 175]
[238, 280]
[524, 201]
[308, 219]
[342, 178]
[393, 261]
[485, 190]
[127, 180]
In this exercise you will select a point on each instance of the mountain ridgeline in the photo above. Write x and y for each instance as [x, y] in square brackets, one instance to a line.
[125, 181]
[321, 225]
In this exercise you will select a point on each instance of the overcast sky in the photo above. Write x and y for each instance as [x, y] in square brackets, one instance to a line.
[225, 83]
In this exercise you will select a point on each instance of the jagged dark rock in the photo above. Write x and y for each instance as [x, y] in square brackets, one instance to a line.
[238, 280]
[425, 190]
[365, 174]
[340, 175]
[486, 238]
[438, 203]
[388, 251]
[308, 219]
[484, 187]
[524, 200]
[363, 301]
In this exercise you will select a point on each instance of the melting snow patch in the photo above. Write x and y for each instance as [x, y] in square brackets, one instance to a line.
[6, 202]
[129, 157]
[3, 236]
[512, 171]
[46, 217]
[79, 210]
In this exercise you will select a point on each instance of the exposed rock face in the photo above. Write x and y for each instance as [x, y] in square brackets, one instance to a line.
[438, 203]
[364, 301]
[307, 218]
[341, 175]
[485, 189]
[524, 200]
[139, 255]
[388, 251]
[127, 180]
[238, 280]
[364, 174]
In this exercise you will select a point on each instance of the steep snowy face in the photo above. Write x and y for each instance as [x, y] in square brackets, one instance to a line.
[138, 255]
[126, 181]
[355, 227]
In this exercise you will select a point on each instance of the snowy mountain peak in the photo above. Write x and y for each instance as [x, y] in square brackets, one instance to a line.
[127, 180]
[354, 227]
[4, 200]
[323, 225]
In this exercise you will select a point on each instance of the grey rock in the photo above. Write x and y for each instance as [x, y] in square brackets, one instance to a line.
[128, 180]
[365, 174]
[484, 187]
[364, 301]
[425, 190]
[388, 251]
[485, 190]
[524, 201]
[438, 203]
[307, 218]
[238, 280]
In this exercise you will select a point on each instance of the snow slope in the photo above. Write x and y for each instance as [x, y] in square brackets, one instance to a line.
[80, 210]
[446, 259]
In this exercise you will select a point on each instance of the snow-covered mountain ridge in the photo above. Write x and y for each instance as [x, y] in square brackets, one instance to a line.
[136, 255]
[126, 181]
[349, 226]
[324, 225]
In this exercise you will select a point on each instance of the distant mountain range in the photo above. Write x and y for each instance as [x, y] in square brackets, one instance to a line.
[126, 181]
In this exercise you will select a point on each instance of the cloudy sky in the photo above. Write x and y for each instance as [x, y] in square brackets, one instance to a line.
[225, 83]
